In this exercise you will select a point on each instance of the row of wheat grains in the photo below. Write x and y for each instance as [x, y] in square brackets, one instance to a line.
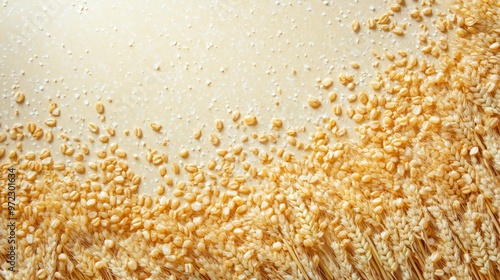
[417, 197]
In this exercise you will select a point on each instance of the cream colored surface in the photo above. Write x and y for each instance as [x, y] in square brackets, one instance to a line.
[183, 64]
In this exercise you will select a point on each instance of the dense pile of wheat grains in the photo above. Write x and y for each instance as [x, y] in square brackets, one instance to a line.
[418, 197]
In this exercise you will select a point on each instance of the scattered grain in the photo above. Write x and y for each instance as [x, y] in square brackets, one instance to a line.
[355, 26]
[250, 120]
[327, 83]
[99, 107]
[155, 127]
[313, 102]
[19, 96]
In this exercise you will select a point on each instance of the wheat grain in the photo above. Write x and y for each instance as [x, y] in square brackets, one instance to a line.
[415, 198]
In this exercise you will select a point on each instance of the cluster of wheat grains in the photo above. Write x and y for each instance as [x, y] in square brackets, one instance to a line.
[418, 197]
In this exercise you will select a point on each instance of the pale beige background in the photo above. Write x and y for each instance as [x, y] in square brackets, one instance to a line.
[183, 64]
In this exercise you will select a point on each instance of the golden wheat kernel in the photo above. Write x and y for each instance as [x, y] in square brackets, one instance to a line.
[371, 23]
[30, 156]
[119, 180]
[104, 138]
[149, 156]
[434, 120]
[79, 157]
[214, 139]
[308, 243]
[349, 112]
[59, 166]
[479, 129]
[191, 168]
[2, 152]
[50, 122]
[327, 83]
[79, 167]
[398, 31]
[168, 180]
[492, 122]
[160, 190]
[291, 140]
[162, 170]
[53, 110]
[221, 152]
[241, 209]
[235, 116]
[354, 65]
[384, 19]
[155, 126]
[199, 178]
[63, 147]
[111, 131]
[355, 26]
[427, 11]
[132, 265]
[276, 123]
[470, 21]
[49, 136]
[337, 109]
[211, 164]
[184, 153]
[42, 273]
[219, 125]
[461, 32]
[113, 219]
[92, 165]
[62, 257]
[272, 138]
[415, 13]
[164, 157]
[237, 149]
[157, 160]
[19, 96]
[363, 97]
[101, 153]
[177, 192]
[495, 46]
[250, 120]
[113, 147]
[313, 102]
[376, 86]
[277, 246]
[352, 97]
[359, 118]
[474, 151]
[85, 150]
[100, 264]
[196, 206]
[332, 96]
[395, 7]
[238, 231]
[56, 112]
[378, 209]
[175, 168]
[291, 132]
[366, 178]
[259, 234]
[38, 133]
[99, 107]
[262, 139]
[138, 132]
[197, 134]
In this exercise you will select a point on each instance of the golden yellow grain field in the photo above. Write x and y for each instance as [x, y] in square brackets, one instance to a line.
[415, 196]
